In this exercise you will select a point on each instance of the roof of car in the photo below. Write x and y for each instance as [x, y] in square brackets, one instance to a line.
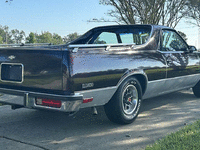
[135, 25]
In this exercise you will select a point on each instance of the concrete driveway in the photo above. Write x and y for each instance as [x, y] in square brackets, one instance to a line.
[35, 130]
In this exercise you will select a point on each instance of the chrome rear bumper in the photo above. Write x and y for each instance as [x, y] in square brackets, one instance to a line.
[70, 103]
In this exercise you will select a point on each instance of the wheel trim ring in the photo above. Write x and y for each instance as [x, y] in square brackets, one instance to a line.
[133, 106]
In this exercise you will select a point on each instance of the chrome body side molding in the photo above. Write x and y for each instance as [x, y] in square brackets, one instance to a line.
[99, 45]
[108, 47]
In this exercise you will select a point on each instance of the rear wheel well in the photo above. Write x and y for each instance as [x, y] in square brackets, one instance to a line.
[143, 81]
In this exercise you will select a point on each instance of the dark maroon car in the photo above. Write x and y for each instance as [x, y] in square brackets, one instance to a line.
[115, 66]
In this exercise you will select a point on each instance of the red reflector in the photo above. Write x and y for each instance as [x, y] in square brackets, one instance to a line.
[48, 102]
[87, 100]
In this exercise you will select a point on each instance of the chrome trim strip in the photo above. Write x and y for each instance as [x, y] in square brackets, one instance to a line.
[12, 99]
[22, 44]
[99, 89]
[99, 45]
[173, 52]
[74, 97]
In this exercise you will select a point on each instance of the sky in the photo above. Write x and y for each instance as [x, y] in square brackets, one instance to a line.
[64, 17]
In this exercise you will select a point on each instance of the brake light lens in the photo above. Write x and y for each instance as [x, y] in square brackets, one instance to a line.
[48, 102]
[87, 100]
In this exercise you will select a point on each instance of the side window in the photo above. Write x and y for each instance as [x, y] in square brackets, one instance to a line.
[172, 41]
[137, 38]
[126, 37]
[106, 38]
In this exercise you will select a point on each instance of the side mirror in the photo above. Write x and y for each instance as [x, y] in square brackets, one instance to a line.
[191, 49]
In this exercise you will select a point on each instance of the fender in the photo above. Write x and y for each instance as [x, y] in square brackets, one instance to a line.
[102, 96]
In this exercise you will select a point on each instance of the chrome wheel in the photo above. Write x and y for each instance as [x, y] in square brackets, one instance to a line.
[130, 99]
[124, 106]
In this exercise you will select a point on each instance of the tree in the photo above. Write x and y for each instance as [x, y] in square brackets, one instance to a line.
[5, 34]
[98, 41]
[45, 37]
[71, 37]
[57, 39]
[1, 40]
[164, 12]
[194, 11]
[183, 35]
[18, 36]
[31, 38]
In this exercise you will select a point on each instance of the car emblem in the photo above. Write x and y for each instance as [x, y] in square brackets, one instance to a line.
[11, 57]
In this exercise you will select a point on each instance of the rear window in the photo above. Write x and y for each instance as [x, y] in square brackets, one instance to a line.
[137, 36]
[106, 38]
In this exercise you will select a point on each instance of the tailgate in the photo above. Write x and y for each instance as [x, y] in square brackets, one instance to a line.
[33, 69]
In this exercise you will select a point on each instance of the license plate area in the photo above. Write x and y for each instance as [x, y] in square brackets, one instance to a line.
[12, 72]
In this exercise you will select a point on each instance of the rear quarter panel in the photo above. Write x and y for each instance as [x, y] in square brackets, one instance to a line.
[107, 68]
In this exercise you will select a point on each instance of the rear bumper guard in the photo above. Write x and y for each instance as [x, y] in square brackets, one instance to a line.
[70, 103]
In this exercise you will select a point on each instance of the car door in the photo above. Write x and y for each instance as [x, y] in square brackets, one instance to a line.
[182, 64]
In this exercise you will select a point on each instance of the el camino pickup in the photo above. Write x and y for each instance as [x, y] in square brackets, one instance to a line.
[111, 66]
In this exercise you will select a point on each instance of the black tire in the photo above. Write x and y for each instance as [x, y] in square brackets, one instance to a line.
[196, 89]
[124, 106]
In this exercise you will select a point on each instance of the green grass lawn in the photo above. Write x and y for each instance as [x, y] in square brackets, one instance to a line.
[187, 138]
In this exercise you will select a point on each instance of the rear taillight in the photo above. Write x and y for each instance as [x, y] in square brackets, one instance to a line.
[48, 102]
[87, 100]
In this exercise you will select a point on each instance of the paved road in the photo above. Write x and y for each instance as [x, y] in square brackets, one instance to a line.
[38, 130]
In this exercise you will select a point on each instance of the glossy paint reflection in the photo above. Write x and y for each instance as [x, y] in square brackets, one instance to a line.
[42, 69]
[106, 69]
